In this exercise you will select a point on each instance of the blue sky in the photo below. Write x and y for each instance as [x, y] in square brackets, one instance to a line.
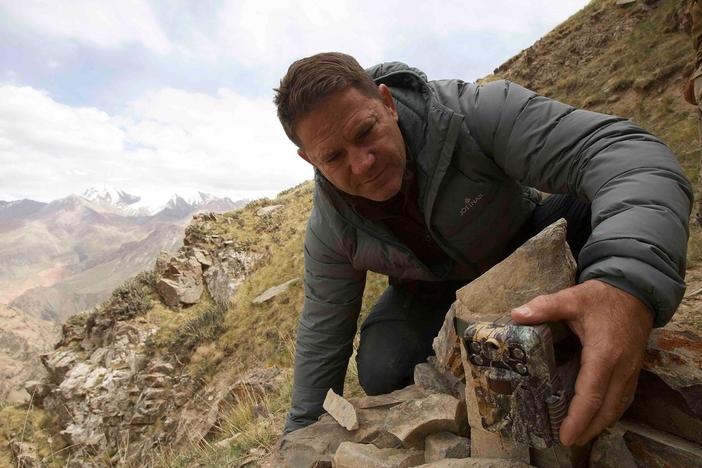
[155, 97]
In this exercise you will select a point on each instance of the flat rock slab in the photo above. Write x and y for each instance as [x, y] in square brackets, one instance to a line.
[413, 420]
[352, 455]
[445, 445]
[411, 392]
[475, 463]
[341, 410]
[270, 293]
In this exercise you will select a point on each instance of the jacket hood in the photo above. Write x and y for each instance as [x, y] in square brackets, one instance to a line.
[398, 74]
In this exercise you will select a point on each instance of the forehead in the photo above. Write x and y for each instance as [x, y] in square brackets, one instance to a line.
[335, 118]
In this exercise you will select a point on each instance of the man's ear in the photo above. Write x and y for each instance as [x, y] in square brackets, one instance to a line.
[303, 155]
[388, 101]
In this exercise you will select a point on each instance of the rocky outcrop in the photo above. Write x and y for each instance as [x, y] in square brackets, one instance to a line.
[113, 394]
[22, 339]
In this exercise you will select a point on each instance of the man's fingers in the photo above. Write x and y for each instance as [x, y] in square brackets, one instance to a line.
[618, 398]
[547, 308]
[590, 387]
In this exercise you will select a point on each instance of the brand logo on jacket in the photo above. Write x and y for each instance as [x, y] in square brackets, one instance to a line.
[470, 203]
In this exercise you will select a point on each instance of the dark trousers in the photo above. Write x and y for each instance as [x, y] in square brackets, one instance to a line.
[400, 328]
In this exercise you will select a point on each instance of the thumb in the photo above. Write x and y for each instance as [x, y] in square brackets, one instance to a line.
[546, 308]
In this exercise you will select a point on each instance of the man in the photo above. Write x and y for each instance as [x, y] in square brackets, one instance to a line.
[429, 183]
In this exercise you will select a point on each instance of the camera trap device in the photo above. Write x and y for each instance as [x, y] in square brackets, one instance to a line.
[522, 376]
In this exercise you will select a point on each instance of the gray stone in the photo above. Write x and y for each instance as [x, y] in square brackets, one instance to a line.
[341, 410]
[179, 281]
[411, 392]
[353, 455]
[430, 380]
[650, 447]
[445, 445]
[229, 269]
[270, 293]
[315, 443]
[413, 420]
[610, 451]
[268, 210]
[202, 257]
[475, 463]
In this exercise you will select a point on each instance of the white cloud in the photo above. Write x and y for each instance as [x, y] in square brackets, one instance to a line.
[166, 141]
[105, 24]
[256, 32]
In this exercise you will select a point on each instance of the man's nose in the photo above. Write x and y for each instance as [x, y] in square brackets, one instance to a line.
[361, 160]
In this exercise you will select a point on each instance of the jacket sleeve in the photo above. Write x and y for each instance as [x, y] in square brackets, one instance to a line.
[640, 198]
[333, 294]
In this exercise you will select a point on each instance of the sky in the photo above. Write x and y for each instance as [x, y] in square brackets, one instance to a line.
[161, 97]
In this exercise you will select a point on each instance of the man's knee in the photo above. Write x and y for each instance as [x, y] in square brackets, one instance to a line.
[380, 372]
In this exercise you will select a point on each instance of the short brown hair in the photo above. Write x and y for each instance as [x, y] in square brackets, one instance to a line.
[312, 79]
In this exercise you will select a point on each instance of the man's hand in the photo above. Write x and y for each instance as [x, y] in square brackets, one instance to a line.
[613, 327]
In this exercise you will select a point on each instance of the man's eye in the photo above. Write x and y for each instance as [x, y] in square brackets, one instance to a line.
[332, 158]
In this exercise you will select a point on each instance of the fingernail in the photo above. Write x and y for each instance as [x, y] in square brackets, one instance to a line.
[524, 311]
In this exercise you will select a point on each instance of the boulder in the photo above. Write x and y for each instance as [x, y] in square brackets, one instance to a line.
[352, 455]
[315, 443]
[270, 293]
[413, 420]
[268, 210]
[230, 267]
[445, 445]
[179, 280]
[341, 410]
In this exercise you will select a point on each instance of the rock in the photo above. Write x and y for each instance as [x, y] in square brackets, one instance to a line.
[179, 281]
[475, 463]
[341, 410]
[650, 447]
[270, 293]
[411, 392]
[229, 269]
[25, 454]
[674, 354]
[312, 444]
[448, 354]
[427, 378]
[58, 363]
[543, 265]
[445, 445]
[202, 257]
[38, 390]
[413, 420]
[268, 210]
[610, 451]
[625, 2]
[352, 455]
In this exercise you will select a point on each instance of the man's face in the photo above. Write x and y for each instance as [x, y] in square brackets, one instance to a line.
[354, 140]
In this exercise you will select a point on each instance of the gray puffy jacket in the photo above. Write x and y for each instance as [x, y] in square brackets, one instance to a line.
[478, 151]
